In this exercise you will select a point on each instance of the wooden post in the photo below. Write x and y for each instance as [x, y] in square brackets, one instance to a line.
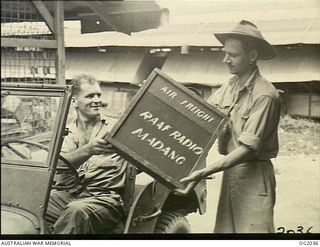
[59, 36]
[310, 101]
[45, 13]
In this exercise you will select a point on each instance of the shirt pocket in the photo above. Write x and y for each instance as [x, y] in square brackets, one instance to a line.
[244, 115]
[242, 118]
[238, 117]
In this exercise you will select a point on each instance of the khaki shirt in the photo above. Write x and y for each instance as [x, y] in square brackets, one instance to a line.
[100, 173]
[254, 112]
[248, 189]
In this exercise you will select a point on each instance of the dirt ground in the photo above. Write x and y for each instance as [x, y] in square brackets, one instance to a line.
[297, 169]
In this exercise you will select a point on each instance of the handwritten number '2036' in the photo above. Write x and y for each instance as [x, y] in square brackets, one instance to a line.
[299, 230]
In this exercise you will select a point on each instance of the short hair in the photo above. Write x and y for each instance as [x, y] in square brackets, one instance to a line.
[81, 79]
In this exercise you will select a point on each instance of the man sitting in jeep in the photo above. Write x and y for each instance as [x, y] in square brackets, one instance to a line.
[94, 205]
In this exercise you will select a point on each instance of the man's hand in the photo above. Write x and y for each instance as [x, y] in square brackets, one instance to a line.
[195, 176]
[186, 190]
[100, 146]
[116, 157]
[192, 181]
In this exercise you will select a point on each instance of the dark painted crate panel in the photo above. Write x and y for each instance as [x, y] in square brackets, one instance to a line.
[166, 130]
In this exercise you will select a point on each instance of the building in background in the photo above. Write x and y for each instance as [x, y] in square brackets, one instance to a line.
[185, 48]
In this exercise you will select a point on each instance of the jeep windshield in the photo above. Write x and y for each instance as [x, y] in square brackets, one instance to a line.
[31, 125]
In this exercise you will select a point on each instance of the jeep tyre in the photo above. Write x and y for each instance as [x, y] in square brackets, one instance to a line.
[172, 222]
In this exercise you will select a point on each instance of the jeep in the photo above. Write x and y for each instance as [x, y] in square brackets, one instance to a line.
[30, 158]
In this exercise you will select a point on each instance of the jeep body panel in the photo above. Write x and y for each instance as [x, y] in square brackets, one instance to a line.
[27, 170]
[153, 198]
[145, 208]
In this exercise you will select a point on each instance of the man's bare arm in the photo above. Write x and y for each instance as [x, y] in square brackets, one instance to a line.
[95, 147]
[241, 154]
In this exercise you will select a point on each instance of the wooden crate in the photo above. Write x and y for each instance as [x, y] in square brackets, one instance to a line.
[166, 130]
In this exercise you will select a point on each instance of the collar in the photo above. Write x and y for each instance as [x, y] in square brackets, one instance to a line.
[101, 128]
[249, 83]
[74, 125]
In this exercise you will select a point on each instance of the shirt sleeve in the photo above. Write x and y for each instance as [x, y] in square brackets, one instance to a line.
[63, 177]
[262, 122]
[69, 143]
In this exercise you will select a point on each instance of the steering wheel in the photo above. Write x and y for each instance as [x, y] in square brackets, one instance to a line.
[69, 167]
[15, 150]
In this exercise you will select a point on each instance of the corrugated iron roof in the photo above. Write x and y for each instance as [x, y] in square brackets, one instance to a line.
[204, 69]
[297, 65]
[294, 65]
[193, 24]
[116, 67]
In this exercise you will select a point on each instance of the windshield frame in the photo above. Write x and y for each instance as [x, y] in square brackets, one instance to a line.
[63, 92]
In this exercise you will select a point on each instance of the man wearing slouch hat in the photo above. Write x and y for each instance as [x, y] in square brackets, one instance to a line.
[250, 139]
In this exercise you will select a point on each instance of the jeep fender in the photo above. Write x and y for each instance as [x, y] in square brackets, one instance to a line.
[152, 199]
[18, 221]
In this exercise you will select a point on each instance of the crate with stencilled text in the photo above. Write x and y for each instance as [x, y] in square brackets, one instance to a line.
[167, 130]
